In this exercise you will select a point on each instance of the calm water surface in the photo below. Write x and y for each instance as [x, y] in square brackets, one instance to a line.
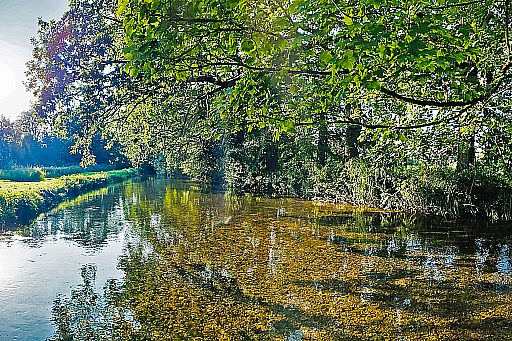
[157, 260]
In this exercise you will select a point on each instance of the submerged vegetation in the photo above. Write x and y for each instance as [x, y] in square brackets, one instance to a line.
[220, 267]
[22, 202]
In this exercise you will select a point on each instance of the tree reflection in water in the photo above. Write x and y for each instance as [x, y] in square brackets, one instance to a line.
[214, 266]
[88, 219]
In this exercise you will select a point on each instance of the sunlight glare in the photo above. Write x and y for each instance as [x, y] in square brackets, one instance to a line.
[7, 80]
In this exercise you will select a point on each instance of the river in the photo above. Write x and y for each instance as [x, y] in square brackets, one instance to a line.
[159, 259]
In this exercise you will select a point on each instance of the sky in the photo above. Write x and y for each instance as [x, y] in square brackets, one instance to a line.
[18, 22]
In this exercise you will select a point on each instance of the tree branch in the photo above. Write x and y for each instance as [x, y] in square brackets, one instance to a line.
[460, 4]
[433, 103]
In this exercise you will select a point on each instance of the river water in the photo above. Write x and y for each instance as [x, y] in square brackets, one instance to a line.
[164, 260]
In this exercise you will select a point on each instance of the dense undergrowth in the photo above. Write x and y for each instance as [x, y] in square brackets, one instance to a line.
[381, 176]
[21, 202]
[435, 190]
[476, 193]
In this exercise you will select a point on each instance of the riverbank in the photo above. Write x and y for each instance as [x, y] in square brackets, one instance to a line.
[482, 192]
[22, 202]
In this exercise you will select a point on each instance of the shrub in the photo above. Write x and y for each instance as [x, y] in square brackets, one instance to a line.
[23, 175]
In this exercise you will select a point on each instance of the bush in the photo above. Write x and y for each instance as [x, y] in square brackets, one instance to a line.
[23, 175]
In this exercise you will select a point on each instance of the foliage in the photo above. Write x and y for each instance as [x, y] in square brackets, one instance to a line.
[30, 175]
[263, 58]
[26, 142]
[290, 98]
[75, 75]
[29, 141]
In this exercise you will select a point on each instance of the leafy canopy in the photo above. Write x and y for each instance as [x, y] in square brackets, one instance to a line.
[269, 57]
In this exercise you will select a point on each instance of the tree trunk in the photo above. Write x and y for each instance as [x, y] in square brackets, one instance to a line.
[271, 157]
[352, 141]
[323, 141]
[466, 157]
[352, 134]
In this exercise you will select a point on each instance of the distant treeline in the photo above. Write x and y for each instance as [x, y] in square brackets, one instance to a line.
[28, 142]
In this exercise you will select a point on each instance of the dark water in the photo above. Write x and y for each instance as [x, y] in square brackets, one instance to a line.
[163, 260]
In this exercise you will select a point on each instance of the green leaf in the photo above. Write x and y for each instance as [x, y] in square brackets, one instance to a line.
[122, 6]
[348, 20]
[348, 64]
[289, 127]
[374, 85]
[247, 46]
[325, 56]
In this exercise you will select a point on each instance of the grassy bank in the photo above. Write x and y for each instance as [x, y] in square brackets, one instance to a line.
[35, 174]
[55, 172]
[22, 202]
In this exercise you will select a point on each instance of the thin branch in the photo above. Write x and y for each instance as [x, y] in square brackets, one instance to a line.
[433, 103]
[460, 4]
[266, 69]
[384, 90]
[212, 80]
[111, 18]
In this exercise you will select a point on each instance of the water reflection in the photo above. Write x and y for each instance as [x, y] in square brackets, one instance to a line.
[215, 266]
[42, 260]
[88, 220]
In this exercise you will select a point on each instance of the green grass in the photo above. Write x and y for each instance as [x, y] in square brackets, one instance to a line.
[39, 174]
[27, 175]
[55, 172]
[22, 202]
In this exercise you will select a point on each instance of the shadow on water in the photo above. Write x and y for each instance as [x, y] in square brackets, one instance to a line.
[213, 266]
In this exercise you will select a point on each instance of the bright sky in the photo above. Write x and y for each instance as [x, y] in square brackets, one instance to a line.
[18, 22]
